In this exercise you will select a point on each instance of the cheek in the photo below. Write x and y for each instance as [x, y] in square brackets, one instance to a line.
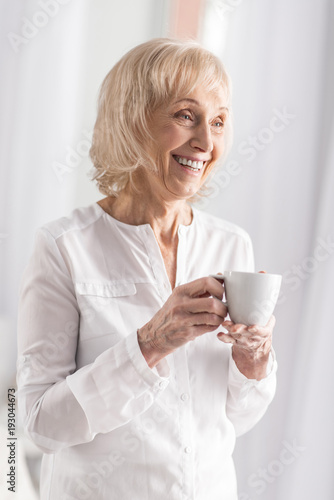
[172, 138]
[219, 147]
[208, 170]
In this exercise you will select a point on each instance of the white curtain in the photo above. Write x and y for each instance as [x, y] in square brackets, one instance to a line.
[278, 183]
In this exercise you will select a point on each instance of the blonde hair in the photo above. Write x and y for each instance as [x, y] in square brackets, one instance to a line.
[147, 77]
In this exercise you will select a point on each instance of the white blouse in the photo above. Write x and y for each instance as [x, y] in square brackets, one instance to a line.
[111, 427]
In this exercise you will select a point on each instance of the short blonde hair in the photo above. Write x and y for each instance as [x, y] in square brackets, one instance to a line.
[147, 77]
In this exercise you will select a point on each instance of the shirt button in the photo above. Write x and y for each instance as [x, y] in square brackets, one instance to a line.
[184, 396]
[187, 449]
[162, 385]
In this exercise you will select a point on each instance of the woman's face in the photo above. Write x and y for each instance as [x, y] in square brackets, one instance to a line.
[189, 133]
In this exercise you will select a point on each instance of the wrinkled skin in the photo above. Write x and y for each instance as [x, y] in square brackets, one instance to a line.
[194, 309]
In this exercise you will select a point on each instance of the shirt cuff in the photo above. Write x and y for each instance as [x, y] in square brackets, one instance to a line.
[118, 386]
[156, 377]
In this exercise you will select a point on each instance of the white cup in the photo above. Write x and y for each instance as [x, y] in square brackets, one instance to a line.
[250, 297]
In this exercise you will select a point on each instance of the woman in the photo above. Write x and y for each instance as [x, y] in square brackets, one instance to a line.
[110, 386]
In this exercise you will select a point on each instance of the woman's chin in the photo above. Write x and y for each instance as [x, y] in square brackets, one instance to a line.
[182, 192]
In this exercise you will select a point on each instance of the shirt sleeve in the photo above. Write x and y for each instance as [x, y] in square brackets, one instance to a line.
[59, 405]
[248, 399]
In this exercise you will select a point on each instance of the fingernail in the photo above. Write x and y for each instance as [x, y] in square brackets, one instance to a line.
[253, 329]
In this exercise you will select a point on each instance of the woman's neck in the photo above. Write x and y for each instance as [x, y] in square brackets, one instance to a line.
[135, 208]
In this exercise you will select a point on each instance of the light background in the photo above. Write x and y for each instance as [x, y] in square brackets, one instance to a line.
[280, 55]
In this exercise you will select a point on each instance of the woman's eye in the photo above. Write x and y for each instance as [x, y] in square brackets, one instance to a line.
[184, 115]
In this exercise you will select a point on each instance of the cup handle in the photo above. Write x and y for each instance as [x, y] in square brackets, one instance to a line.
[219, 277]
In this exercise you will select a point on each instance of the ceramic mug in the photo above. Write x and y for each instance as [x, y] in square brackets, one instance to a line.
[250, 297]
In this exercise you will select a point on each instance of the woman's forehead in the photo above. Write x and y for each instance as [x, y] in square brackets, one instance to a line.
[202, 97]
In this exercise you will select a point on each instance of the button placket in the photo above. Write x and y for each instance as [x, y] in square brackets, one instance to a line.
[185, 418]
[181, 251]
[157, 262]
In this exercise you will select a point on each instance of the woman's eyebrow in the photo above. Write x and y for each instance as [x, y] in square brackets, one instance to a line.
[194, 101]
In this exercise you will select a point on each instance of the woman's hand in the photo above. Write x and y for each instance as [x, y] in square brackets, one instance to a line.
[191, 310]
[251, 346]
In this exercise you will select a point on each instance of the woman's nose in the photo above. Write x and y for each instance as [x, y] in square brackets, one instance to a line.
[202, 138]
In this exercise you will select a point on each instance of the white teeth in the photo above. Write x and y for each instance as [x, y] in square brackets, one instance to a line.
[193, 165]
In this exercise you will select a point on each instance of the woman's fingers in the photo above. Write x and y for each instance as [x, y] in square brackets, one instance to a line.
[234, 327]
[202, 286]
[196, 303]
[261, 330]
[252, 337]
[208, 305]
[190, 311]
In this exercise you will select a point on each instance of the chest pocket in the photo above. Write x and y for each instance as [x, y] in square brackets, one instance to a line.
[104, 308]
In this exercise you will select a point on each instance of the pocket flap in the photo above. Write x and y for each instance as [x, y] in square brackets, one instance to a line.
[111, 289]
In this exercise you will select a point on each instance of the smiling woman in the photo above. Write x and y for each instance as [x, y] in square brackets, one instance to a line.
[111, 387]
[158, 84]
[189, 135]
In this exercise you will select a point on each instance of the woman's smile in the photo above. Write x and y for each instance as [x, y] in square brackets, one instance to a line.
[190, 164]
